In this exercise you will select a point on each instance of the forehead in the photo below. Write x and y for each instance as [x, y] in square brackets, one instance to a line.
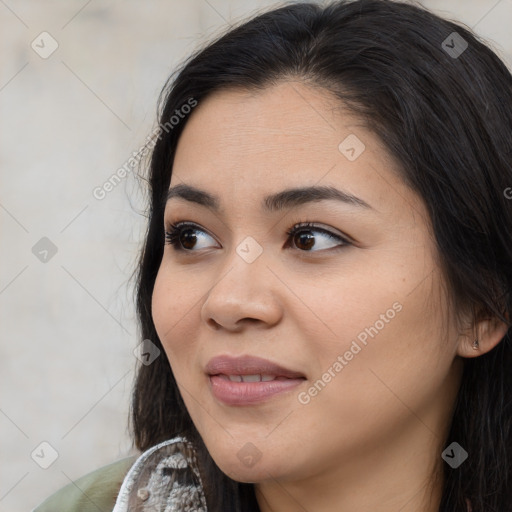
[284, 116]
[244, 144]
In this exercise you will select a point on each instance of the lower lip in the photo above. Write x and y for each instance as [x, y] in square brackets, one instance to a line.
[247, 393]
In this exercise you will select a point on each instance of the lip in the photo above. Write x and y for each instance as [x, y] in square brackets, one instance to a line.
[247, 393]
[248, 365]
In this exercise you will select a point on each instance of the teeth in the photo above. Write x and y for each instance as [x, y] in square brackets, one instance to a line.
[250, 378]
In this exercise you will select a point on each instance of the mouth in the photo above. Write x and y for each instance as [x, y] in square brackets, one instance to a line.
[258, 377]
[247, 380]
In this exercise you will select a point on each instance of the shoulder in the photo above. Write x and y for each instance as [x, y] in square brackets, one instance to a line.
[95, 491]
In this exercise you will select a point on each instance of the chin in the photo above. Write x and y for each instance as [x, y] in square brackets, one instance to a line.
[248, 475]
[247, 464]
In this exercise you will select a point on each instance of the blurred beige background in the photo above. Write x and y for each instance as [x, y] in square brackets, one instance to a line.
[68, 121]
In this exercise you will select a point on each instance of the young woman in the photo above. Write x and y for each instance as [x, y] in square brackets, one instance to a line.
[326, 273]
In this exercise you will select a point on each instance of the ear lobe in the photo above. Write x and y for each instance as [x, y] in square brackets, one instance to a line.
[489, 332]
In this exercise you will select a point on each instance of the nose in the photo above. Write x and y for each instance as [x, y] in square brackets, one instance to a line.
[245, 294]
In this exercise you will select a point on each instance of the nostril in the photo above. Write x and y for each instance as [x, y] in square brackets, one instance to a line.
[213, 324]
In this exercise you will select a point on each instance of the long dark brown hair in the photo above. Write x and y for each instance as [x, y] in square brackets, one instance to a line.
[444, 111]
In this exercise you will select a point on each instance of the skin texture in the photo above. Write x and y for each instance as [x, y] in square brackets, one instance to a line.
[371, 438]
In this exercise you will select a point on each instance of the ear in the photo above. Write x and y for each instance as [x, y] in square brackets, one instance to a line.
[488, 331]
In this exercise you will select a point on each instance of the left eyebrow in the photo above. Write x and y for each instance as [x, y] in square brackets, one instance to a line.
[287, 199]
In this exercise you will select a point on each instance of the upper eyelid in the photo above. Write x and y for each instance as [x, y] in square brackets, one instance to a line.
[296, 226]
[186, 224]
[189, 224]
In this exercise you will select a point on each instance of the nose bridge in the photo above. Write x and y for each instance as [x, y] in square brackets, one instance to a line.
[243, 288]
[245, 265]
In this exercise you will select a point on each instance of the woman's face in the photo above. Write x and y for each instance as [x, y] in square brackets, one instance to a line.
[350, 305]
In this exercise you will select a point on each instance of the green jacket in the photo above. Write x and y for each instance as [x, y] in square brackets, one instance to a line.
[94, 492]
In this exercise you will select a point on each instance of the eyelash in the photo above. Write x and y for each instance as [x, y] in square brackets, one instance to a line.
[172, 235]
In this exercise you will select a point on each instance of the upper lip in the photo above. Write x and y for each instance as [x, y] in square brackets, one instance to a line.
[248, 365]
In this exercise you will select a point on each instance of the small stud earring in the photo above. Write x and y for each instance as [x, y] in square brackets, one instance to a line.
[476, 344]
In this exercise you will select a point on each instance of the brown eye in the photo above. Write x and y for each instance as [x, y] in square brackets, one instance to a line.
[184, 236]
[187, 238]
[304, 240]
[307, 236]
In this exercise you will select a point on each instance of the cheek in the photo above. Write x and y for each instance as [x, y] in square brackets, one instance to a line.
[391, 332]
[400, 362]
[172, 310]
[356, 311]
